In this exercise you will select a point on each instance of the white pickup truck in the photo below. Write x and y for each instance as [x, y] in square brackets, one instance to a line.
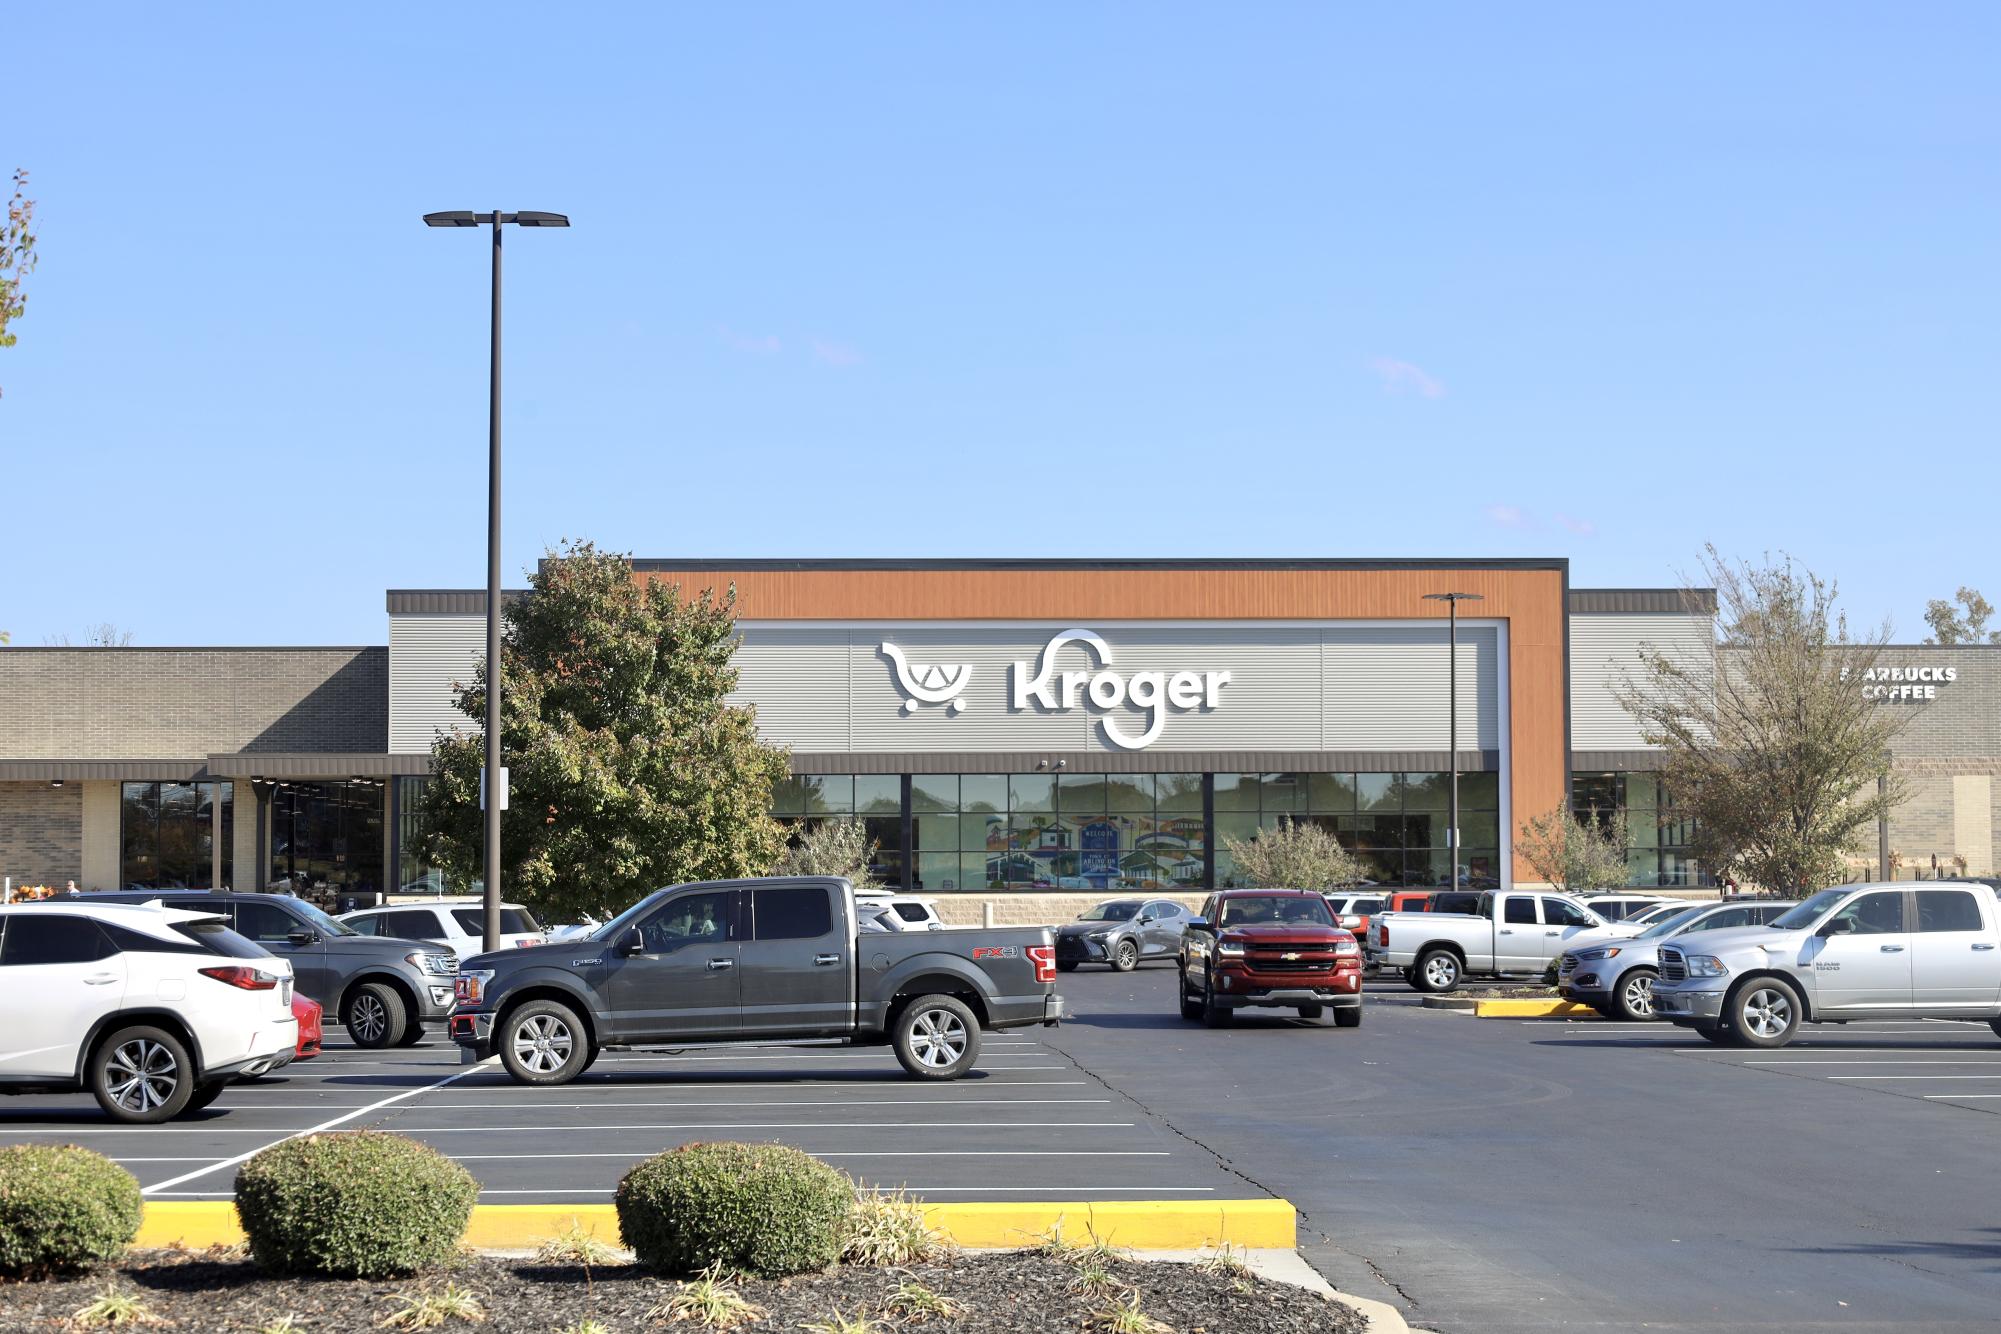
[1909, 951]
[1511, 933]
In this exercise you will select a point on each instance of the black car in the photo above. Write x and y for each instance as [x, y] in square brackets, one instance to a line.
[382, 990]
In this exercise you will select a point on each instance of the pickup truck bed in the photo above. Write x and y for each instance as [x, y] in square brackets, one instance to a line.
[763, 961]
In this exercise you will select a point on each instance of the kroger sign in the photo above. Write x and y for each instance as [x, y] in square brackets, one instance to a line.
[1042, 686]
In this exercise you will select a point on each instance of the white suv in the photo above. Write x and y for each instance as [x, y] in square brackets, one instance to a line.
[457, 924]
[152, 1009]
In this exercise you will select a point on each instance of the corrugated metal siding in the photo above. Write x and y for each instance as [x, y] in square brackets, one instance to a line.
[1605, 651]
[427, 656]
[798, 679]
[1383, 688]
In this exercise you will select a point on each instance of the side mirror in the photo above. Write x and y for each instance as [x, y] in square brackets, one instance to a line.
[1199, 924]
[301, 937]
[631, 943]
[1351, 921]
[1840, 926]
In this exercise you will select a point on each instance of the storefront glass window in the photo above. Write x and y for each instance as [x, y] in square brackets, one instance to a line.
[413, 874]
[1394, 822]
[875, 800]
[1657, 840]
[327, 838]
[166, 834]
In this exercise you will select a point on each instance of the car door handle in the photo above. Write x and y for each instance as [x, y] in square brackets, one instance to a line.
[719, 965]
[1981, 946]
[825, 960]
[100, 979]
[1505, 933]
[1557, 932]
[1891, 949]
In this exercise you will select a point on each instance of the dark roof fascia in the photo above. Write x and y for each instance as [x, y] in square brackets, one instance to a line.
[86, 771]
[445, 601]
[1672, 601]
[318, 764]
[706, 564]
[196, 648]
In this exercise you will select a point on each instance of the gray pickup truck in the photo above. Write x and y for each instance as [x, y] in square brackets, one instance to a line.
[753, 961]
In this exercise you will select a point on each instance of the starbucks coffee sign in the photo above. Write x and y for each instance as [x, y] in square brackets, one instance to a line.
[1903, 684]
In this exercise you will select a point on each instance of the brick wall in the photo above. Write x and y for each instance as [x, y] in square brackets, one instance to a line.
[116, 704]
[1953, 809]
[41, 833]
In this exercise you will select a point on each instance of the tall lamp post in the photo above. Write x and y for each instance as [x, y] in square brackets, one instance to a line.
[1452, 601]
[493, 794]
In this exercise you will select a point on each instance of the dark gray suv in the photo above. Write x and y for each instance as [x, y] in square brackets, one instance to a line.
[382, 990]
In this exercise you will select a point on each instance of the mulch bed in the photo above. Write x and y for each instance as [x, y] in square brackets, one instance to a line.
[1015, 1292]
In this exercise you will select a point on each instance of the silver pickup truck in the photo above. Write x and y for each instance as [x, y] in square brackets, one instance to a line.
[1880, 951]
[1513, 933]
[764, 961]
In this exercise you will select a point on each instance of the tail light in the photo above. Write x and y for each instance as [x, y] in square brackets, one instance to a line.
[1044, 959]
[247, 979]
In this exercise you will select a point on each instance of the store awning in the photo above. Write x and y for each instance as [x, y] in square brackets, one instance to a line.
[81, 771]
[317, 764]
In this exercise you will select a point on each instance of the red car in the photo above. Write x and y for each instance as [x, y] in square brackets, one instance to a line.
[1269, 949]
[307, 1012]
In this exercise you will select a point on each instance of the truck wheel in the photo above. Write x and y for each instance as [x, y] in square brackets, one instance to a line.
[1311, 1011]
[543, 1042]
[205, 1095]
[1125, 956]
[141, 1075]
[1995, 1024]
[1715, 1033]
[1764, 1013]
[1634, 1000]
[1348, 1018]
[1435, 972]
[1191, 1006]
[1214, 1015]
[1066, 965]
[412, 1035]
[373, 1015]
[937, 1037]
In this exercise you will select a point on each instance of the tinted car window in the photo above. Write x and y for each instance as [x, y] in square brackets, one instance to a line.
[513, 921]
[687, 920]
[370, 925]
[265, 923]
[794, 913]
[1947, 910]
[911, 912]
[1520, 910]
[129, 941]
[411, 925]
[1880, 914]
[43, 939]
[1365, 906]
[1716, 921]
[215, 938]
[1555, 912]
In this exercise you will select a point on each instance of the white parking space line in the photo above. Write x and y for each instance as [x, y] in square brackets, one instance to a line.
[772, 1125]
[1872, 1060]
[818, 1153]
[756, 1102]
[1886, 1078]
[1963, 1097]
[327, 1125]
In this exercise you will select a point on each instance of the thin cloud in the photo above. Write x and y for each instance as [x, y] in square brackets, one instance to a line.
[763, 345]
[835, 354]
[1401, 377]
[1581, 527]
[1508, 516]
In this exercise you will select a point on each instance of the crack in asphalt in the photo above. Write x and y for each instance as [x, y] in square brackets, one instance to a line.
[1226, 1165]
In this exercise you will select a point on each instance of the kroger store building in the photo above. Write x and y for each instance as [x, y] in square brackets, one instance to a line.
[1001, 726]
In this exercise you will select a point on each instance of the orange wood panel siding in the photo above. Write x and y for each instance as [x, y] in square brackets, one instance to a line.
[1531, 601]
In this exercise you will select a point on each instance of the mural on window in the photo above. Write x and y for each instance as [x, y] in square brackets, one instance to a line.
[1059, 831]
[1394, 822]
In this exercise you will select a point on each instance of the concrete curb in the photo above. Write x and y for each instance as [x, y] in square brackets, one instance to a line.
[1138, 1225]
[1511, 1009]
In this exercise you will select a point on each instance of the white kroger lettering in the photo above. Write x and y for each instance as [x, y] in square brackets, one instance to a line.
[1154, 692]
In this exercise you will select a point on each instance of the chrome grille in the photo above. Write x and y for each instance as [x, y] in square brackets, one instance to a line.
[1273, 960]
[1567, 965]
[1674, 968]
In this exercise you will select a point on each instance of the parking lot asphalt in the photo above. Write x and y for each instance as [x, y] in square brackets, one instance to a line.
[1026, 1125]
[1503, 1175]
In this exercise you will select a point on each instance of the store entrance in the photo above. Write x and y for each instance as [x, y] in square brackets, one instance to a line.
[327, 838]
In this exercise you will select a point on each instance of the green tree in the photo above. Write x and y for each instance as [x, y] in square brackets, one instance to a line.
[1771, 747]
[1962, 624]
[628, 767]
[17, 257]
[1294, 856]
[832, 847]
[1577, 856]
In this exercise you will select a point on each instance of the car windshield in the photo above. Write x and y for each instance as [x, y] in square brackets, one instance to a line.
[1667, 926]
[324, 924]
[1809, 911]
[1307, 909]
[1119, 910]
[618, 925]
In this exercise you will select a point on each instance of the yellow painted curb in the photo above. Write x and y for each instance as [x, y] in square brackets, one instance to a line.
[1141, 1225]
[1532, 1009]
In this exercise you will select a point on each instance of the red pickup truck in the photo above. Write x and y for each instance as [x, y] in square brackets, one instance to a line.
[1269, 949]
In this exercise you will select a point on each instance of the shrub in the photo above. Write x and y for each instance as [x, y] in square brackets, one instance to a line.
[887, 1228]
[361, 1203]
[762, 1208]
[62, 1209]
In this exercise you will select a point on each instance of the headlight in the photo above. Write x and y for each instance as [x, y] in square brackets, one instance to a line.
[1230, 951]
[1101, 936]
[1607, 952]
[1346, 947]
[470, 988]
[443, 965]
[1706, 965]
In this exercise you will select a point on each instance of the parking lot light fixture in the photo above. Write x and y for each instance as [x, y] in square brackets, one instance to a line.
[1452, 601]
[496, 793]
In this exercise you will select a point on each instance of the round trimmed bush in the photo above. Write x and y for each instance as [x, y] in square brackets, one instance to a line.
[360, 1203]
[62, 1209]
[764, 1208]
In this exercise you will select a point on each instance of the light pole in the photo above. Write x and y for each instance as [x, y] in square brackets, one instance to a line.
[1452, 601]
[493, 793]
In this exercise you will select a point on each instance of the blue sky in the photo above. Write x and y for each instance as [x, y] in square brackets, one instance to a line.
[1594, 281]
